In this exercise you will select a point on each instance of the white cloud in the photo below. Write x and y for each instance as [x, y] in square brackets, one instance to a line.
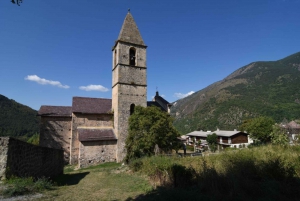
[94, 88]
[43, 81]
[180, 95]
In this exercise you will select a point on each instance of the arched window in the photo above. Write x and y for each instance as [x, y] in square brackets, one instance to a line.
[132, 108]
[132, 56]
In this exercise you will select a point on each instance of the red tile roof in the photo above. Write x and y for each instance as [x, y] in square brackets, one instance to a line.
[96, 134]
[58, 111]
[91, 105]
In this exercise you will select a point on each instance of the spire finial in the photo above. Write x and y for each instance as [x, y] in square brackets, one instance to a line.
[128, 10]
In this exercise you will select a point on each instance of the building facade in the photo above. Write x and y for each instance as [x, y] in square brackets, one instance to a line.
[94, 130]
[233, 139]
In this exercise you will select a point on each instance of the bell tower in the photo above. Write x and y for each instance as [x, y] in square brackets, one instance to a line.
[129, 79]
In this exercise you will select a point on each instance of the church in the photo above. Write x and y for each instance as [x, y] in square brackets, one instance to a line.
[94, 130]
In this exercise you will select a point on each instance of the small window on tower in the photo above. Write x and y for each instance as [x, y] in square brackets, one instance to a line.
[132, 56]
[132, 108]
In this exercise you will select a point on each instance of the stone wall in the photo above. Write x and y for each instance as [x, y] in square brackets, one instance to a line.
[85, 121]
[96, 152]
[3, 156]
[21, 159]
[55, 132]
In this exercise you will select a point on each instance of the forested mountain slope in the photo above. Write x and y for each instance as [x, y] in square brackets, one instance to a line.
[17, 119]
[261, 88]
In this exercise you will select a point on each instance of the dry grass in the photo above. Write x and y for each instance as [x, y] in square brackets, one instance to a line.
[262, 173]
[105, 182]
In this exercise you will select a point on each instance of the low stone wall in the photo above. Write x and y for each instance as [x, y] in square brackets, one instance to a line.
[21, 159]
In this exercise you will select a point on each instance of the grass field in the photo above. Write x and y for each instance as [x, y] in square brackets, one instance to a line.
[262, 173]
[109, 181]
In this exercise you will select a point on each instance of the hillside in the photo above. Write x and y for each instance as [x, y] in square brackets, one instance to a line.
[17, 119]
[261, 88]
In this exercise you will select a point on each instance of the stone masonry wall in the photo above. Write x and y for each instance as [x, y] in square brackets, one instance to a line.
[84, 121]
[129, 87]
[96, 152]
[55, 132]
[21, 159]
[3, 156]
[128, 95]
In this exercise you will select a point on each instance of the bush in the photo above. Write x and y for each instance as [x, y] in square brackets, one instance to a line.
[150, 132]
[21, 186]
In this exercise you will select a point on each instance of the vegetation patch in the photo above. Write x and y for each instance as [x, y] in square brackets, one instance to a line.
[272, 172]
[22, 186]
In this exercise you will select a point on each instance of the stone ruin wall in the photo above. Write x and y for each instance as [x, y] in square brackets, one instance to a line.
[55, 132]
[86, 121]
[18, 158]
[96, 152]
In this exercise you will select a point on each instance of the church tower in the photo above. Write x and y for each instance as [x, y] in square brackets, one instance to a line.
[129, 79]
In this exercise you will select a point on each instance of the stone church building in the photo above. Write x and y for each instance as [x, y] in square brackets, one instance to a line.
[94, 130]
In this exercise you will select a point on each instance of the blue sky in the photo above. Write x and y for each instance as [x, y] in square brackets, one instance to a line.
[51, 51]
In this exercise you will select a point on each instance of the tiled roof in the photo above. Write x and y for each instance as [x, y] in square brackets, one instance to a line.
[91, 105]
[95, 134]
[199, 133]
[153, 103]
[61, 111]
[130, 32]
[161, 101]
[293, 124]
[227, 133]
[217, 132]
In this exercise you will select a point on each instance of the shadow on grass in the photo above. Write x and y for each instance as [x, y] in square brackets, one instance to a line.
[180, 194]
[238, 176]
[69, 179]
[269, 190]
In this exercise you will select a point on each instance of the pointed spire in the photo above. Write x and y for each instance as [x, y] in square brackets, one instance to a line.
[130, 32]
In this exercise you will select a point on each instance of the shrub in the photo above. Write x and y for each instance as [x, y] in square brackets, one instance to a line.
[21, 186]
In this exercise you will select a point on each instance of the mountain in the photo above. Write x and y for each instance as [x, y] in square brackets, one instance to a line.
[17, 119]
[269, 88]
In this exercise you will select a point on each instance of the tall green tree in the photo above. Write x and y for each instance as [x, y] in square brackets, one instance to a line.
[278, 136]
[259, 128]
[212, 141]
[149, 127]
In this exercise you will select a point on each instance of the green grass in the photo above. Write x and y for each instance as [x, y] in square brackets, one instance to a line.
[259, 173]
[109, 181]
[22, 186]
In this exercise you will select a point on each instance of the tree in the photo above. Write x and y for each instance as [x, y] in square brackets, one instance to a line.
[259, 128]
[149, 127]
[177, 145]
[212, 141]
[278, 136]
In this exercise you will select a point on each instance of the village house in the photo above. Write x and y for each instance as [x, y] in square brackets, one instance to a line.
[233, 139]
[94, 130]
[292, 129]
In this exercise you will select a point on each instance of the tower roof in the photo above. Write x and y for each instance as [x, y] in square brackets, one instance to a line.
[130, 32]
